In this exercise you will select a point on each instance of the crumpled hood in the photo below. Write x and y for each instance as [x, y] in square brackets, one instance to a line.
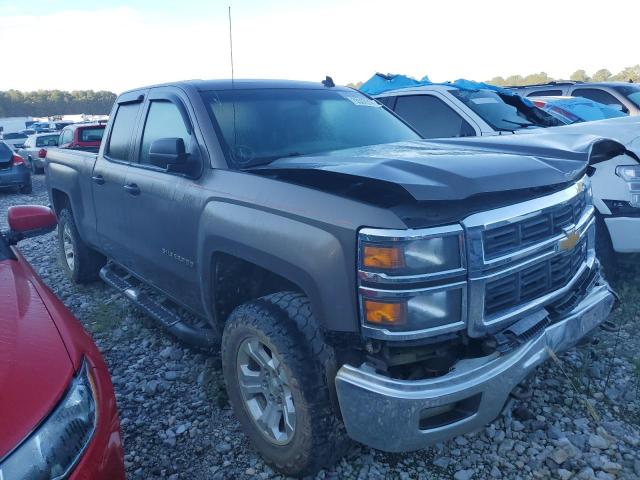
[35, 368]
[452, 169]
[625, 130]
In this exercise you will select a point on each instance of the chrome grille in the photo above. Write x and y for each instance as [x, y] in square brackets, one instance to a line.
[507, 238]
[520, 257]
[533, 282]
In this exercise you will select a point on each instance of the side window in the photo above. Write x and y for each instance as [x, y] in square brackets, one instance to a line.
[545, 93]
[431, 117]
[597, 95]
[389, 102]
[163, 121]
[122, 130]
[67, 136]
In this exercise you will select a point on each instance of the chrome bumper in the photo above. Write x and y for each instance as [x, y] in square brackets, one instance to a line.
[400, 415]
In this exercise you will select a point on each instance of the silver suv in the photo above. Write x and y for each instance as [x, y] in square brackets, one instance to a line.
[622, 95]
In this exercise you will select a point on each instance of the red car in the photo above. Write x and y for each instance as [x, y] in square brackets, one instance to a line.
[58, 416]
[82, 136]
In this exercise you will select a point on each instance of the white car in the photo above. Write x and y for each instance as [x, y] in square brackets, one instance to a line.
[444, 111]
[14, 139]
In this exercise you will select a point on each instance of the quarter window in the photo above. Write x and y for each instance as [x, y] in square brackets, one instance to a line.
[545, 93]
[431, 117]
[163, 121]
[122, 131]
[597, 95]
[67, 137]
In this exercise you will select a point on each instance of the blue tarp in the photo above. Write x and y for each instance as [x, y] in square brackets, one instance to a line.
[381, 83]
[580, 109]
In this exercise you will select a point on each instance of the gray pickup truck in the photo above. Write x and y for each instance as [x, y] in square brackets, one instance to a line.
[360, 281]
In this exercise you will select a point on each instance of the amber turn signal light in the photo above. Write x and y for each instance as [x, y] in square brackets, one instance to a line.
[382, 257]
[382, 313]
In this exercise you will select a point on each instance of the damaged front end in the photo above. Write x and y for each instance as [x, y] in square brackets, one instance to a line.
[457, 316]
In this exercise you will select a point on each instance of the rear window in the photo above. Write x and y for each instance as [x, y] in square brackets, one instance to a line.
[122, 130]
[93, 134]
[5, 152]
[545, 93]
[14, 136]
[47, 141]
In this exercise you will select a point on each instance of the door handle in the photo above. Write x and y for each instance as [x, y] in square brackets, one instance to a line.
[99, 179]
[132, 189]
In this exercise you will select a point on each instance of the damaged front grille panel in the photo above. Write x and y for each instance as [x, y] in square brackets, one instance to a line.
[524, 257]
[547, 224]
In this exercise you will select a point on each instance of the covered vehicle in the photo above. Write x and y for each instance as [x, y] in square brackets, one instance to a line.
[468, 109]
[57, 406]
[576, 109]
[14, 173]
[456, 109]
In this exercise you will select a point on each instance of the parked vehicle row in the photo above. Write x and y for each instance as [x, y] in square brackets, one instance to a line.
[469, 109]
[357, 277]
[623, 96]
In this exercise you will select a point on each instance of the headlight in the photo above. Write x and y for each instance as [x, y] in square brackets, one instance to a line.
[53, 449]
[628, 172]
[412, 282]
[399, 253]
[631, 175]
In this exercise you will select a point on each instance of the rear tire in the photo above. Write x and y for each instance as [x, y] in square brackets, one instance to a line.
[28, 188]
[283, 329]
[80, 262]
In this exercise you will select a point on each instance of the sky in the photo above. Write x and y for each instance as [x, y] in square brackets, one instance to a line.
[116, 45]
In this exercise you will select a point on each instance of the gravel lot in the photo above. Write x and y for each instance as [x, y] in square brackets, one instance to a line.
[583, 421]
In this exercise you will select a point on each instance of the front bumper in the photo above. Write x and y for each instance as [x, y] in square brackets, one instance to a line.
[624, 233]
[402, 415]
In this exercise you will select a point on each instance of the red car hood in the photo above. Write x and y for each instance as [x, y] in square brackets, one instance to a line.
[35, 368]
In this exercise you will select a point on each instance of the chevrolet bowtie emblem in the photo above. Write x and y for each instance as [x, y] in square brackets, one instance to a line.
[571, 240]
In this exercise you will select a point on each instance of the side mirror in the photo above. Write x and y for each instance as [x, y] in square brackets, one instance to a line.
[26, 221]
[168, 153]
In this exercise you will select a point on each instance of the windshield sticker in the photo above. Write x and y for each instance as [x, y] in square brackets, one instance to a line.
[484, 100]
[360, 100]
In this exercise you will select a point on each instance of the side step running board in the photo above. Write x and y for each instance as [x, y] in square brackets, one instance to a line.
[199, 337]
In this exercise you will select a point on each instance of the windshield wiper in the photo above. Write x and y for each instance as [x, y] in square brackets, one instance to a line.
[523, 125]
[260, 161]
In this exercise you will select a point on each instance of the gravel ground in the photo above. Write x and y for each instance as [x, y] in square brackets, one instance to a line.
[582, 422]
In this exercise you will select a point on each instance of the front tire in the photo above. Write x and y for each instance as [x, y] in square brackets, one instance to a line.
[605, 251]
[278, 372]
[80, 262]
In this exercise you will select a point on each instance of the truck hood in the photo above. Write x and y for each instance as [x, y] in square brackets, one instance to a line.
[35, 368]
[451, 169]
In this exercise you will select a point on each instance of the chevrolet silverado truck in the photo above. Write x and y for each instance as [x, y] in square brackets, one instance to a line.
[360, 281]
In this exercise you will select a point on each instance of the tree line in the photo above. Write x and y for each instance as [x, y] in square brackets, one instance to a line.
[44, 103]
[603, 75]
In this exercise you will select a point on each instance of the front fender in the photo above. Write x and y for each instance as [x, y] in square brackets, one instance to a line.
[319, 262]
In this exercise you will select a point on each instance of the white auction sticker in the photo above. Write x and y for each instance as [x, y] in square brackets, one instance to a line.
[360, 100]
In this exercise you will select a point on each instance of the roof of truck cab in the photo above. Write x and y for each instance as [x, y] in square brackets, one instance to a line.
[227, 84]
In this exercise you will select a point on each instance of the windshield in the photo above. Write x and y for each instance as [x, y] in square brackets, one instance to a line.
[632, 92]
[500, 115]
[261, 125]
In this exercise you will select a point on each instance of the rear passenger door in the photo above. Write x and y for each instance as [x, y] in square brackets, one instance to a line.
[109, 180]
[432, 117]
[164, 209]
